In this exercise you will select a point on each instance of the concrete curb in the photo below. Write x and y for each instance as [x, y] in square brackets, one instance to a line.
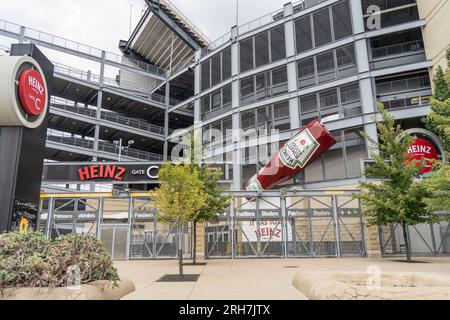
[97, 290]
[355, 286]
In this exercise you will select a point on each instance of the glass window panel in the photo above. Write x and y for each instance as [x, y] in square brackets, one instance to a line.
[279, 81]
[263, 118]
[351, 100]
[216, 99]
[325, 67]
[314, 172]
[281, 116]
[328, 99]
[303, 34]
[334, 162]
[206, 104]
[248, 119]
[262, 87]
[227, 130]
[346, 61]
[206, 73]
[247, 90]
[355, 149]
[226, 64]
[306, 73]
[308, 103]
[215, 70]
[322, 28]
[246, 54]
[226, 93]
[277, 43]
[329, 105]
[262, 49]
[342, 21]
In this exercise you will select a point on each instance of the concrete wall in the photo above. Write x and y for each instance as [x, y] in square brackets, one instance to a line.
[436, 31]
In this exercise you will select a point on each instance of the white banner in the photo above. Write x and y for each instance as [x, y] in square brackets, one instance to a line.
[269, 230]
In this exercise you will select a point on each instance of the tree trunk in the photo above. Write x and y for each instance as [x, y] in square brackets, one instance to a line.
[194, 243]
[180, 252]
[405, 237]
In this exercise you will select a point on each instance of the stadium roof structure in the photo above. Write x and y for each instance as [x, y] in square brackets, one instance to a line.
[161, 27]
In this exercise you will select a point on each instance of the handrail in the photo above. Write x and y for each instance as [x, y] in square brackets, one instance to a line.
[400, 48]
[110, 82]
[105, 147]
[403, 85]
[64, 43]
[108, 116]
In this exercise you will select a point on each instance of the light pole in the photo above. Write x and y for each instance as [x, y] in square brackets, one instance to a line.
[118, 144]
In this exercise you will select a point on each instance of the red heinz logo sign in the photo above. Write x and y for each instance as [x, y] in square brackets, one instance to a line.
[32, 93]
[422, 149]
[101, 172]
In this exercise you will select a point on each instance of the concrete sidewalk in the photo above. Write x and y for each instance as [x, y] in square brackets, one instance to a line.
[254, 279]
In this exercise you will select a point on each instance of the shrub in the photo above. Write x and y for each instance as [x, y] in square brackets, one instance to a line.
[32, 260]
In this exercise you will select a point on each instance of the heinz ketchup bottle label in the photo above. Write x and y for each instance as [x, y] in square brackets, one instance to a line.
[298, 151]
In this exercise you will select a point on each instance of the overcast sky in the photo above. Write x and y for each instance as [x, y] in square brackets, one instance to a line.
[101, 23]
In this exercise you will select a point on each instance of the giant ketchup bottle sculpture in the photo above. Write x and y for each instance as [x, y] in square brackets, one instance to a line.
[306, 146]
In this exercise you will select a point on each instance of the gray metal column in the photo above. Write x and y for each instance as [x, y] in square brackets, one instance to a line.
[236, 121]
[99, 105]
[48, 227]
[289, 31]
[166, 121]
[337, 236]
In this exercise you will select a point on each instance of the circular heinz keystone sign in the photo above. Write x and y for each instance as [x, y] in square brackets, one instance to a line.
[422, 149]
[32, 93]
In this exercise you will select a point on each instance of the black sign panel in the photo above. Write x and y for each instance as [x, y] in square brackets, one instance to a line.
[105, 172]
[102, 172]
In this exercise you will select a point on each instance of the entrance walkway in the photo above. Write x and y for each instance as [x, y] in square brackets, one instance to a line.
[252, 279]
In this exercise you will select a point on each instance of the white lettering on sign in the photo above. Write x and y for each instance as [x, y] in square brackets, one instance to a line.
[32, 81]
[419, 149]
[269, 230]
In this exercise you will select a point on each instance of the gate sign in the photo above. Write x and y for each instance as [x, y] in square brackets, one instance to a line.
[423, 149]
[268, 231]
[32, 93]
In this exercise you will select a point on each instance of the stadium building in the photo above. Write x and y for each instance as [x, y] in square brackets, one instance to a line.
[332, 60]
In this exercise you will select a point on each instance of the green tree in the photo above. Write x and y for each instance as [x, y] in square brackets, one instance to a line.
[395, 196]
[438, 121]
[179, 198]
[216, 201]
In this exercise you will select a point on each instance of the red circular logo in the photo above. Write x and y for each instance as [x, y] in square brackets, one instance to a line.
[422, 149]
[32, 93]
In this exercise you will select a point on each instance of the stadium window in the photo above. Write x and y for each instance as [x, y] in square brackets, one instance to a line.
[246, 54]
[322, 28]
[325, 67]
[226, 64]
[247, 90]
[279, 81]
[342, 21]
[262, 49]
[306, 73]
[215, 70]
[277, 43]
[355, 148]
[346, 61]
[333, 160]
[303, 34]
[206, 73]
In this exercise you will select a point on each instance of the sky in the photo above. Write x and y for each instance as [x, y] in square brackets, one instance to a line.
[102, 23]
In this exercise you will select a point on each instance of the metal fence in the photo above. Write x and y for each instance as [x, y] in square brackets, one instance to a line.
[269, 224]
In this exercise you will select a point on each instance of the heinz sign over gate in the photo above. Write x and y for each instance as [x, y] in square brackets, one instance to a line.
[422, 149]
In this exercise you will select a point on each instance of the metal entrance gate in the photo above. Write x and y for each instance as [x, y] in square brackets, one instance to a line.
[277, 224]
[424, 239]
[153, 239]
